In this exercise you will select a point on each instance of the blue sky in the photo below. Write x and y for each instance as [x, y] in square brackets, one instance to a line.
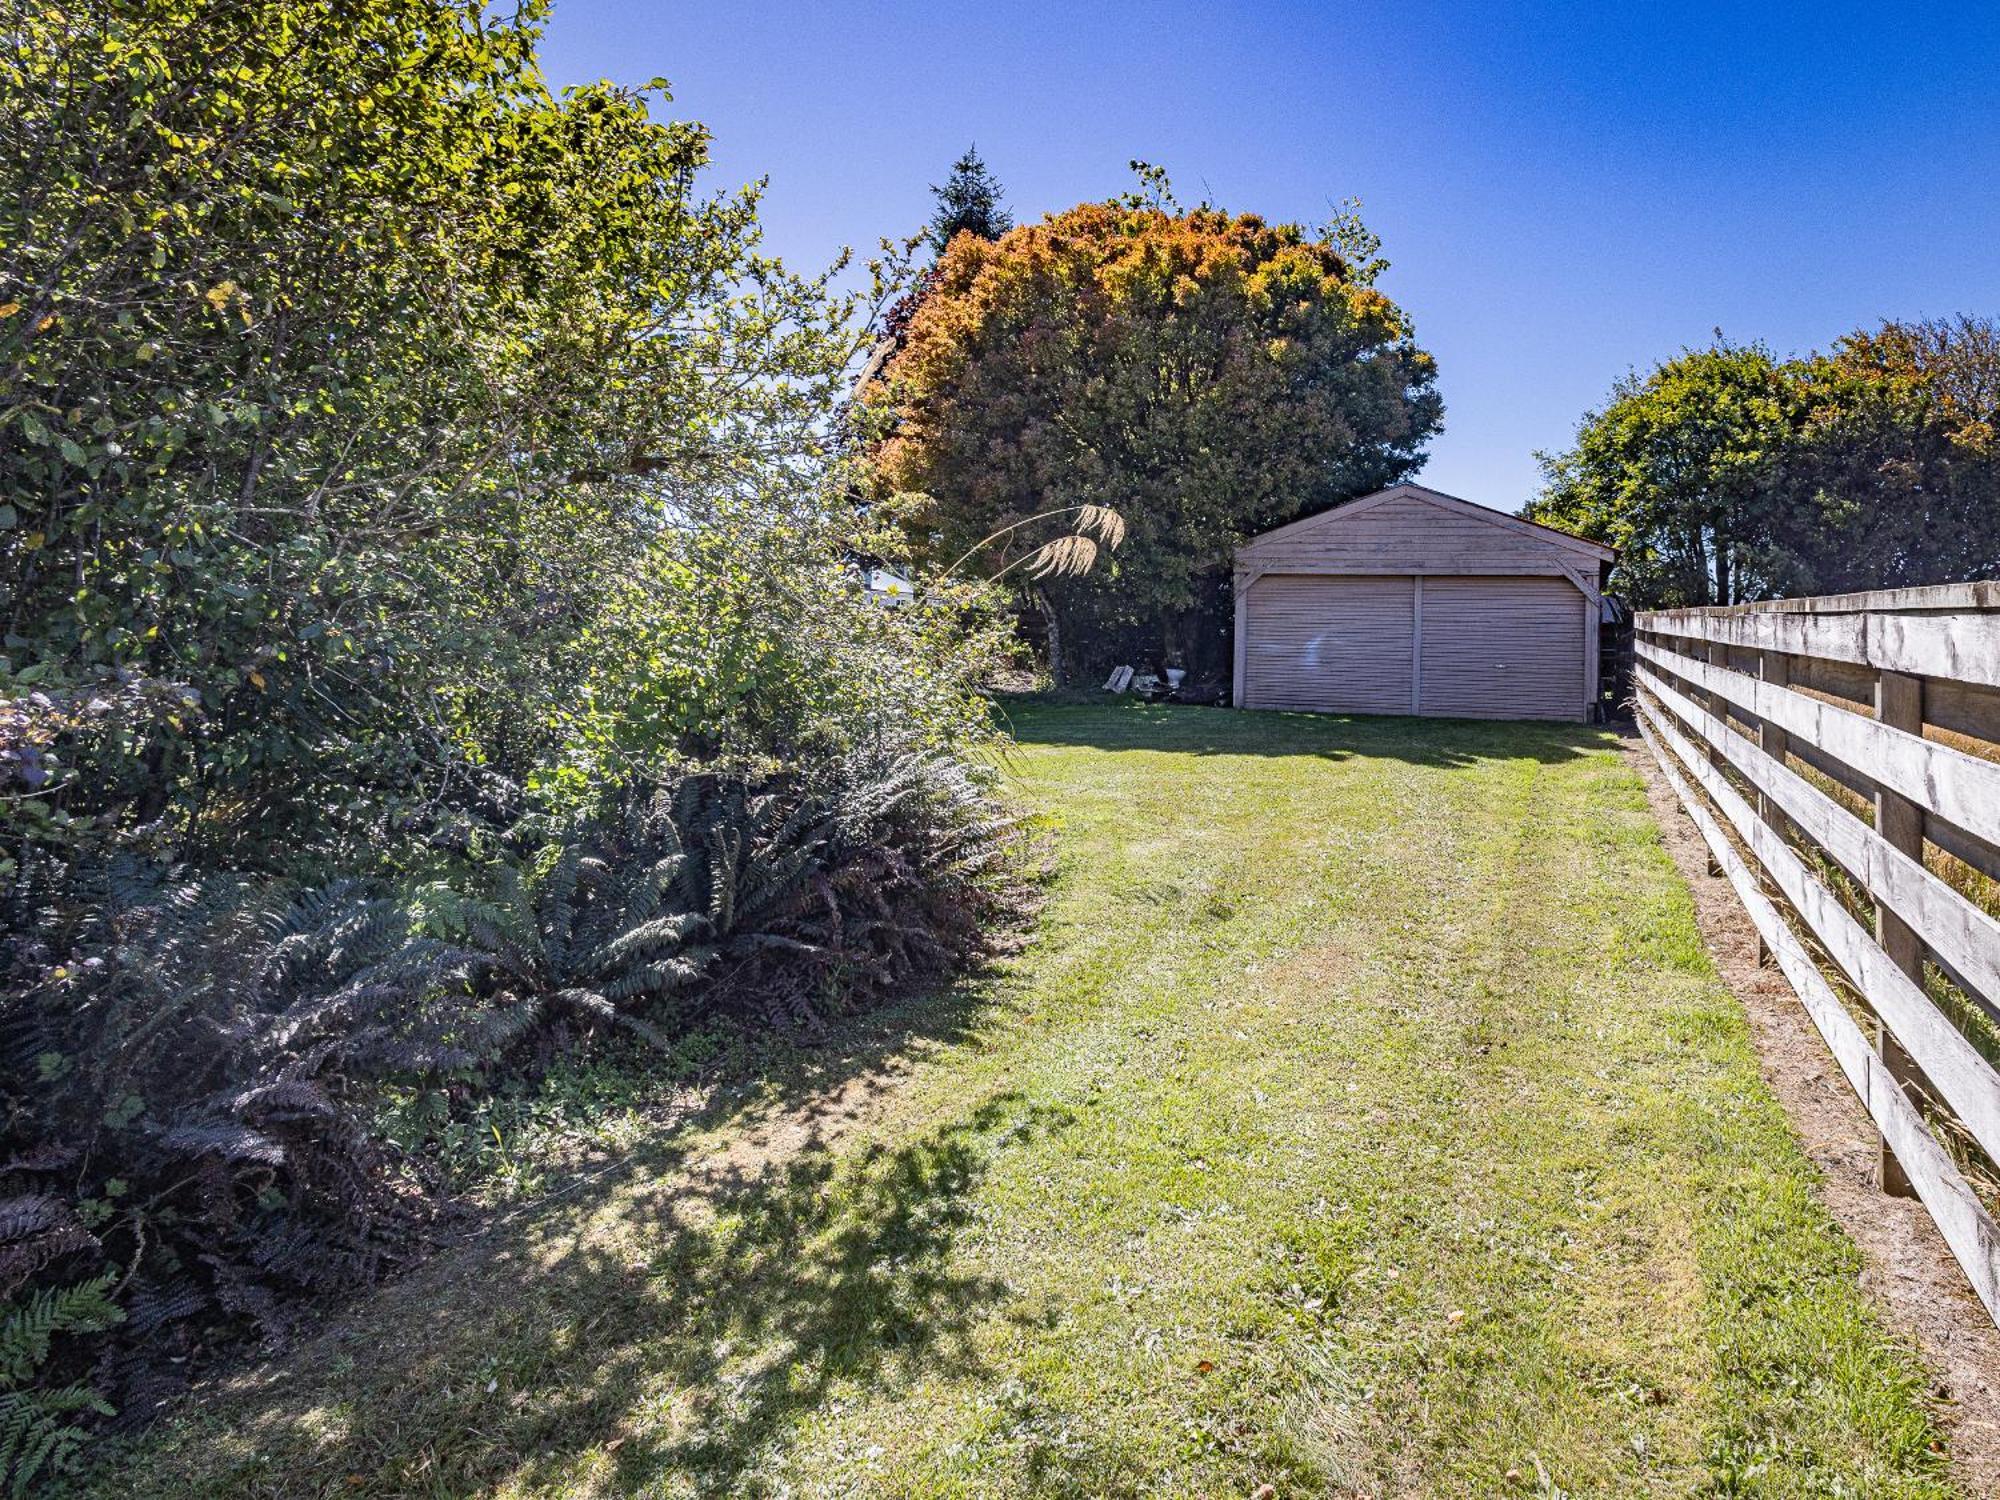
[1566, 192]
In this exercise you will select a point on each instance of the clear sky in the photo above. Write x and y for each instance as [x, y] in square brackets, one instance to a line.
[1566, 191]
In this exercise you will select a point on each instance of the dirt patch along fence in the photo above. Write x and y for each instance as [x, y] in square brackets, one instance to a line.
[1841, 756]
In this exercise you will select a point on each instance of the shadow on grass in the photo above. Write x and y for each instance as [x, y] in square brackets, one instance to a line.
[811, 1277]
[662, 1322]
[672, 1338]
[1180, 729]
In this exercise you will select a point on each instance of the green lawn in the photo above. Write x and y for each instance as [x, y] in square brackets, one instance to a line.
[1364, 1119]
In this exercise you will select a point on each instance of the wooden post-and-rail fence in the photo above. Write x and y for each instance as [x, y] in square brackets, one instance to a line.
[1841, 757]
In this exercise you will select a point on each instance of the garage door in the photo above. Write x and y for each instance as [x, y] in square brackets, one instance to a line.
[1502, 648]
[1334, 645]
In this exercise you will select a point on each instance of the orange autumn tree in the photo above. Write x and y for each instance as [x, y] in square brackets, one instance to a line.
[1204, 375]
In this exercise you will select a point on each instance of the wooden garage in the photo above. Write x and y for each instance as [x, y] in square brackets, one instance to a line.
[1409, 601]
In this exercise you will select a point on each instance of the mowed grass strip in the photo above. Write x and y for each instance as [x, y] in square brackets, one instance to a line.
[1365, 1119]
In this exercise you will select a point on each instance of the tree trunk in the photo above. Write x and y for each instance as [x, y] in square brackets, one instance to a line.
[1058, 667]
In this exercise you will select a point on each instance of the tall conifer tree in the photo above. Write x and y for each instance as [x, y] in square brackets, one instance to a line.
[969, 201]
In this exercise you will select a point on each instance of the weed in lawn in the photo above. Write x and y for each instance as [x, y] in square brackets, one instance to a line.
[508, 1143]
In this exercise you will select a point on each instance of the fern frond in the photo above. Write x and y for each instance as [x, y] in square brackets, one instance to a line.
[224, 1140]
[28, 1326]
[37, 1439]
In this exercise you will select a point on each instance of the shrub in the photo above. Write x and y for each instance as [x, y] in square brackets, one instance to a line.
[197, 1085]
[187, 1085]
[350, 368]
[433, 633]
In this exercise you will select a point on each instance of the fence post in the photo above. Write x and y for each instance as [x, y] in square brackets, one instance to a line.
[1775, 668]
[1899, 703]
[1717, 655]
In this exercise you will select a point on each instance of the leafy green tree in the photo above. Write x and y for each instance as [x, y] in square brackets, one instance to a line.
[968, 202]
[1875, 490]
[1201, 375]
[344, 368]
[1727, 475]
[1899, 455]
[1672, 473]
[1955, 360]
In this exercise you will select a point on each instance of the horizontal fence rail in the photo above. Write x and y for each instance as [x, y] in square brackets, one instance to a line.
[1841, 757]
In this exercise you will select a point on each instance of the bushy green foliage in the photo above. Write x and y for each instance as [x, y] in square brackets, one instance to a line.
[743, 634]
[212, 1074]
[34, 1321]
[1727, 474]
[432, 633]
[349, 368]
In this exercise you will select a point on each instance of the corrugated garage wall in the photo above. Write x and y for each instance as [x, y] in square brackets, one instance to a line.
[1497, 647]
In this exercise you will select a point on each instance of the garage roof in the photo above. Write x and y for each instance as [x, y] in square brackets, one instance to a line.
[1339, 513]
